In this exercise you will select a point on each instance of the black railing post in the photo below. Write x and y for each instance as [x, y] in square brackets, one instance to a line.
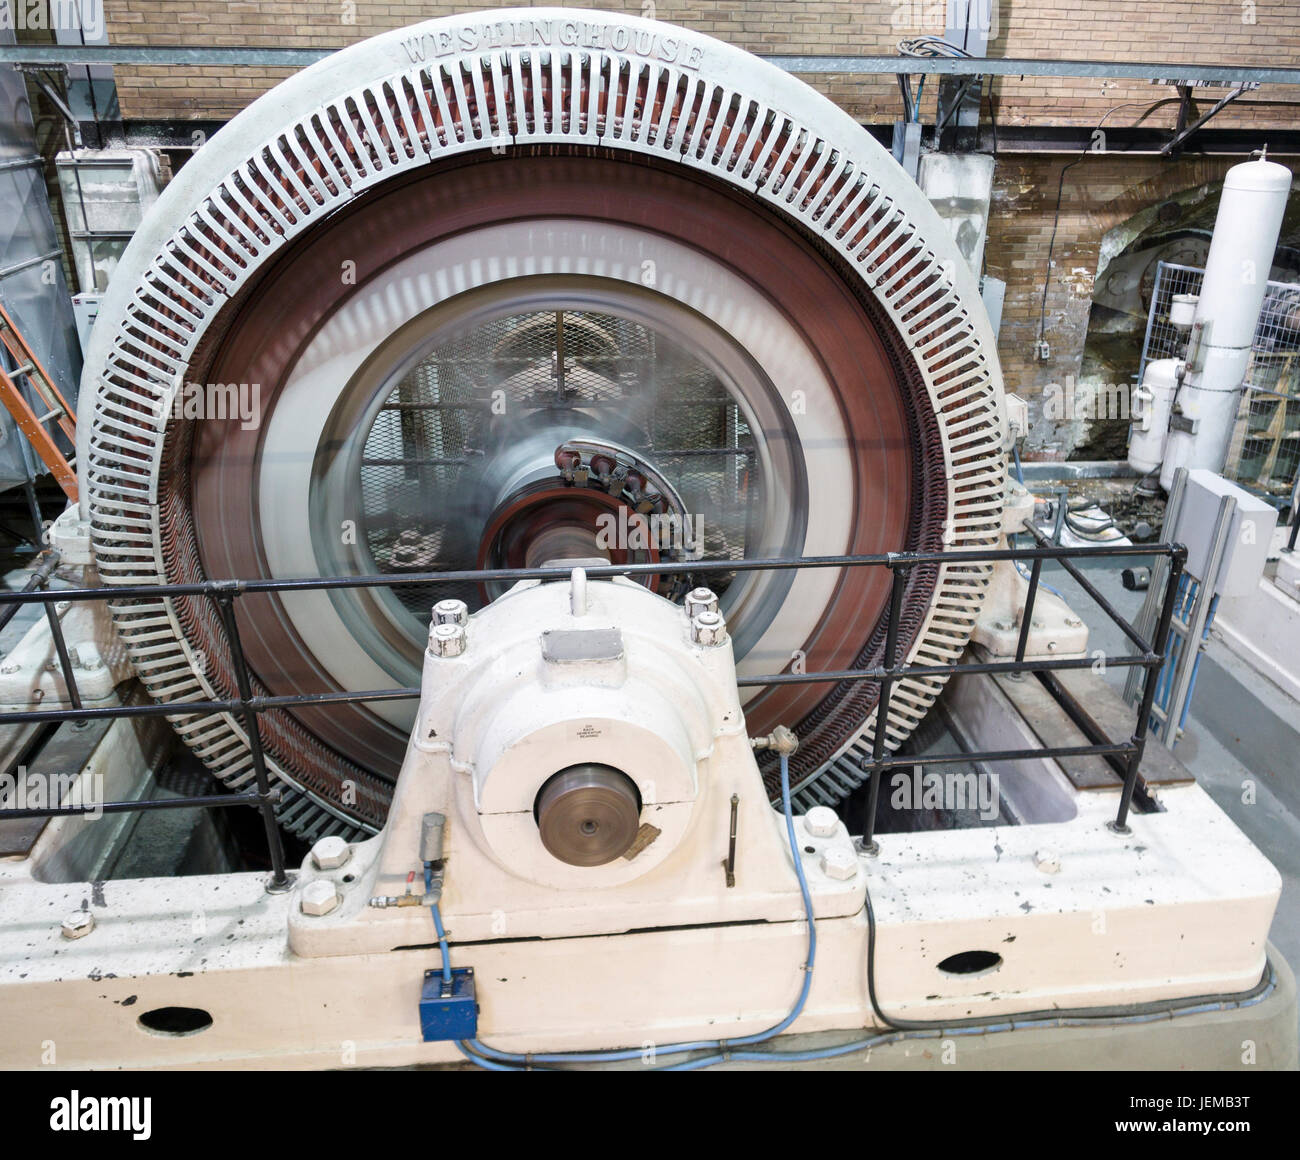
[1159, 647]
[65, 661]
[1027, 617]
[225, 598]
[900, 571]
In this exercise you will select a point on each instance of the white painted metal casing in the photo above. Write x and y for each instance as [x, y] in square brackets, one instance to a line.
[540, 688]
[1152, 403]
[1249, 536]
[1232, 293]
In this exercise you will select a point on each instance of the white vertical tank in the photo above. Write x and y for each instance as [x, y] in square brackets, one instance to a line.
[1236, 277]
[1152, 403]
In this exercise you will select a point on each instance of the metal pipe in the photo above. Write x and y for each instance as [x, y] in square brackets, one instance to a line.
[206, 801]
[294, 700]
[38, 579]
[45, 55]
[598, 572]
[226, 609]
[1096, 750]
[65, 661]
[882, 707]
[185, 708]
[27, 263]
[900, 671]
[1027, 616]
[1193, 636]
[1246, 231]
[1161, 643]
[1105, 605]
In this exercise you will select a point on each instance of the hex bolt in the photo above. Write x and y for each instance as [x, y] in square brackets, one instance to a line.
[821, 821]
[447, 640]
[839, 863]
[700, 600]
[451, 612]
[319, 897]
[709, 629]
[330, 853]
[78, 924]
[1048, 861]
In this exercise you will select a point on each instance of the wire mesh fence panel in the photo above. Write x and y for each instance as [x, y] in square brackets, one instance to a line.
[1264, 454]
[1163, 339]
[1265, 449]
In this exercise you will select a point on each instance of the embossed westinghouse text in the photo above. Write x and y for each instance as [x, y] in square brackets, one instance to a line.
[552, 34]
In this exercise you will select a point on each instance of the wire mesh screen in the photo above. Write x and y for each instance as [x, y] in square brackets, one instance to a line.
[1162, 339]
[1265, 450]
[431, 468]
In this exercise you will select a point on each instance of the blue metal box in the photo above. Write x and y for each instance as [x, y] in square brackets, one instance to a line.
[452, 1016]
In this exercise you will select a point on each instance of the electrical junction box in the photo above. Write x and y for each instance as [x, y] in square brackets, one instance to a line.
[1246, 549]
[450, 1016]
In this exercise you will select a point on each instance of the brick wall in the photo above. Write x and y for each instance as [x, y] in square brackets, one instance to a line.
[1246, 31]
[1100, 192]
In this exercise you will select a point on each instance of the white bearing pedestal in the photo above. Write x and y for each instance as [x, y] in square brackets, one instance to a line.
[554, 675]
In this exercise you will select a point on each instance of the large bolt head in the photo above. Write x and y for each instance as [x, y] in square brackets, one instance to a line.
[821, 821]
[447, 640]
[839, 863]
[709, 629]
[319, 897]
[700, 600]
[451, 612]
[330, 853]
[78, 924]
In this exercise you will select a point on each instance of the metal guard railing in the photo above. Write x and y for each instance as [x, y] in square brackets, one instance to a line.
[1124, 756]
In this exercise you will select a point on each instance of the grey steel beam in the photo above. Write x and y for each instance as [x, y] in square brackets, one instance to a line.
[277, 57]
[165, 133]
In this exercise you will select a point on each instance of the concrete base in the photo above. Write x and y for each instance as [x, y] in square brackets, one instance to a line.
[1263, 628]
[1260, 1035]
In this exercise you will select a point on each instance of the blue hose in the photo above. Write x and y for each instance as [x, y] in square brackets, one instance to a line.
[483, 1055]
[437, 924]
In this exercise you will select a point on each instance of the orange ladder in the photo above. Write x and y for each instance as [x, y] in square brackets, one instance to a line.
[28, 366]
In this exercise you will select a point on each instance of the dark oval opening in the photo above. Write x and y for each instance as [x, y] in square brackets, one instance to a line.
[176, 1020]
[970, 962]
